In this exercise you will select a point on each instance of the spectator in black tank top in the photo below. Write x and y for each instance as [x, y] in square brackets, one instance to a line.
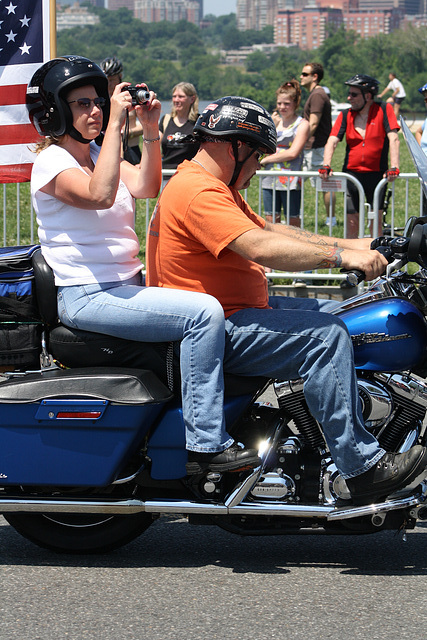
[174, 127]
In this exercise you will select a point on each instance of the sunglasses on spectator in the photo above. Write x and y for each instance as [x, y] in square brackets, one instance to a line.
[85, 103]
[353, 94]
[305, 74]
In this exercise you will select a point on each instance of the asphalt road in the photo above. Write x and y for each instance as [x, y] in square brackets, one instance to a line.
[196, 583]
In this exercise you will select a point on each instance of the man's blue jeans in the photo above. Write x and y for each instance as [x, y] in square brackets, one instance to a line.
[297, 338]
[151, 314]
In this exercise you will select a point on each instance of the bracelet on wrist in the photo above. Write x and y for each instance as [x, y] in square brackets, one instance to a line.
[151, 139]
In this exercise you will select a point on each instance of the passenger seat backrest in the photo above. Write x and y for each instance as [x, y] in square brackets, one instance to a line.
[46, 292]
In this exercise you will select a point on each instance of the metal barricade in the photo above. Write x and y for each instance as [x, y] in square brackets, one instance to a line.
[335, 184]
[19, 226]
[413, 202]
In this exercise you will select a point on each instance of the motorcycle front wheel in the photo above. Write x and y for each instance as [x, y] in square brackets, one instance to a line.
[79, 533]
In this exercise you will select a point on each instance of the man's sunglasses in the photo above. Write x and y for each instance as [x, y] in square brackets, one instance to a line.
[353, 94]
[259, 155]
[305, 74]
[85, 103]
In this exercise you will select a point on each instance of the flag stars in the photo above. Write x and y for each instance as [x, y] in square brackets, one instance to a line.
[25, 49]
[21, 35]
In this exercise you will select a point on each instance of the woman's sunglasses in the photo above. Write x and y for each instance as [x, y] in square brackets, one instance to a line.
[85, 103]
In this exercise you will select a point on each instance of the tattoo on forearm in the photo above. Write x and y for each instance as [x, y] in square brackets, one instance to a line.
[313, 238]
[330, 257]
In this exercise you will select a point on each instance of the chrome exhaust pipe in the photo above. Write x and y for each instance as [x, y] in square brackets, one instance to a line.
[129, 507]
[117, 507]
[120, 507]
[255, 508]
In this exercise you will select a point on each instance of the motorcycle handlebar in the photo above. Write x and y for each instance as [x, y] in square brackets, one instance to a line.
[355, 276]
[411, 247]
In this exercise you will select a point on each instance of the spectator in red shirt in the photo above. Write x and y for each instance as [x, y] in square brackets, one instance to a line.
[371, 130]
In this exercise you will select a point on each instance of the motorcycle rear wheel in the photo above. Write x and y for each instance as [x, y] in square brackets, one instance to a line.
[79, 533]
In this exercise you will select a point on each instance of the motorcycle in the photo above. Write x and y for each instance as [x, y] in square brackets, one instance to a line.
[93, 440]
[93, 453]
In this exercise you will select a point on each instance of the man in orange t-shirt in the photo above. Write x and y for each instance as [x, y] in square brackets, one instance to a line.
[216, 217]
[204, 237]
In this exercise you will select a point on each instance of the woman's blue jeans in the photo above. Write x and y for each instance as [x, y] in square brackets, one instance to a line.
[297, 339]
[150, 314]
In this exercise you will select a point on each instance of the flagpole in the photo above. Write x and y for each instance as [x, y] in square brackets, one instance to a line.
[52, 15]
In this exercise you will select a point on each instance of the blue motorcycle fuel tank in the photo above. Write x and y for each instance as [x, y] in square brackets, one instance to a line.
[388, 334]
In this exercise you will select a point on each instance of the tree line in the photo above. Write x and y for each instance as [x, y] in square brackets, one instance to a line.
[165, 53]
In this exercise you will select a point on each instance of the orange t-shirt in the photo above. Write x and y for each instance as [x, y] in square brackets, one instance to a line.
[195, 219]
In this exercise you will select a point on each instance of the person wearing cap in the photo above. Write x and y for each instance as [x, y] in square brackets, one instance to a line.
[371, 132]
[203, 236]
[84, 198]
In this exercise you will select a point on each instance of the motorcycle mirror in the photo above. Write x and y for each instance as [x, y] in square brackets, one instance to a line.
[409, 226]
[411, 223]
[417, 248]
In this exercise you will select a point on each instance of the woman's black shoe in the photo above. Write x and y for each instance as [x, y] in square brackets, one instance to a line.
[232, 459]
[393, 471]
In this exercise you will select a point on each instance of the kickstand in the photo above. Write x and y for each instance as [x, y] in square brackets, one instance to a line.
[402, 530]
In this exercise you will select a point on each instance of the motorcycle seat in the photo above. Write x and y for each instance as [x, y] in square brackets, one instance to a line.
[78, 348]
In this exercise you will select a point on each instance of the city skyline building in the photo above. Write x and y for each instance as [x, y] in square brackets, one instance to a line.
[120, 4]
[257, 14]
[306, 29]
[170, 10]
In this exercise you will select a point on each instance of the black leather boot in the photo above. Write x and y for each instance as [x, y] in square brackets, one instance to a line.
[393, 471]
[232, 459]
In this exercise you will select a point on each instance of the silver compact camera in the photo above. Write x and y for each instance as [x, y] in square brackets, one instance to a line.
[138, 94]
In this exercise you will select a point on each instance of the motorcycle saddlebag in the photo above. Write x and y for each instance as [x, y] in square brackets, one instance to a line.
[75, 427]
[20, 321]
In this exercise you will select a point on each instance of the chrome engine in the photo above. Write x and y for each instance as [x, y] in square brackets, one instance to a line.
[394, 407]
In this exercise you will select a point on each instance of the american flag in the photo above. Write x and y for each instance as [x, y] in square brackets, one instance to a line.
[24, 46]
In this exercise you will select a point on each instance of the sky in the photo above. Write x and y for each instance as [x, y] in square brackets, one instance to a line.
[219, 7]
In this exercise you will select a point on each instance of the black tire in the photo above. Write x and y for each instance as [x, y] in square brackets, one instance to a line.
[79, 533]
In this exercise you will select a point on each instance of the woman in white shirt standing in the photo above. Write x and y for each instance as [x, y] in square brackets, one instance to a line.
[292, 134]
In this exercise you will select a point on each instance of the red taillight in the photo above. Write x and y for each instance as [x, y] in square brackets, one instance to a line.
[91, 415]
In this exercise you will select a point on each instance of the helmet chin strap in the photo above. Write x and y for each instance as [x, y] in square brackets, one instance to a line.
[78, 136]
[239, 163]
[364, 103]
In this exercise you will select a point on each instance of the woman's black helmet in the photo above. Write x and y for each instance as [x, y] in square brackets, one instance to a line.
[111, 66]
[234, 118]
[367, 84]
[47, 90]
